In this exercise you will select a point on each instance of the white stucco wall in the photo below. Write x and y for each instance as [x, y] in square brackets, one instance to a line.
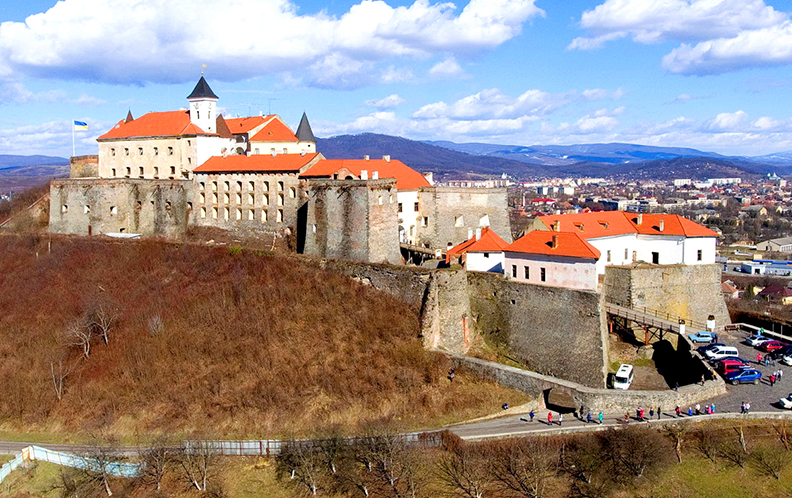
[408, 216]
[484, 261]
[707, 247]
[570, 273]
[617, 246]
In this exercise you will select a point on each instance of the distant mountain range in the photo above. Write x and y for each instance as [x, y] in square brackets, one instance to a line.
[449, 160]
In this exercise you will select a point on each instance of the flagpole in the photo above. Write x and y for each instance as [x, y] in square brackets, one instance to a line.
[73, 154]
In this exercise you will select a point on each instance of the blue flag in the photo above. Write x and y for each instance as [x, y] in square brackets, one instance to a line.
[80, 125]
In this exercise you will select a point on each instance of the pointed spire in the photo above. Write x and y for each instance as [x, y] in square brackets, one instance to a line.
[202, 91]
[129, 117]
[222, 127]
[304, 133]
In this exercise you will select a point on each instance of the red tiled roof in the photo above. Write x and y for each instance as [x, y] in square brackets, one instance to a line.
[156, 124]
[488, 242]
[611, 223]
[406, 177]
[569, 244]
[275, 131]
[776, 290]
[244, 125]
[281, 163]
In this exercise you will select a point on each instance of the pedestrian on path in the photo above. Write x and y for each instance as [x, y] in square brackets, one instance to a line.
[600, 418]
[651, 412]
[582, 409]
[767, 361]
[742, 407]
[627, 418]
[698, 409]
[588, 418]
[779, 374]
[707, 410]
[678, 411]
[642, 415]
[712, 408]
[747, 407]
[772, 379]
[549, 418]
[532, 415]
[690, 411]
[772, 360]
[759, 358]
[659, 413]
[560, 419]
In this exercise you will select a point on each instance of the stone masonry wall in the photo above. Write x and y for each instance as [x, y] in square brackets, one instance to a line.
[93, 206]
[692, 292]
[558, 332]
[84, 167]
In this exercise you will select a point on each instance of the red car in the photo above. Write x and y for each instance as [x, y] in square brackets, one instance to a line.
[728, 366]
[771, 346]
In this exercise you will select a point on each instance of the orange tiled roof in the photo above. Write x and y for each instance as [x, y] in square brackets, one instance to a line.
[244, 125]
[406, 177]
[275, 131]
[569, 244]
[488, 242]
[611, 223]
[156, 124]
[281, 163]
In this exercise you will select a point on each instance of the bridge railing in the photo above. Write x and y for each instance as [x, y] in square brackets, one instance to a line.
[692, 324]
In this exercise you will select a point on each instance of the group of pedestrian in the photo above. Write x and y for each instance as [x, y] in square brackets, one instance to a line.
[695, 410]
[775, 377]
[745, 407]
[560, 418]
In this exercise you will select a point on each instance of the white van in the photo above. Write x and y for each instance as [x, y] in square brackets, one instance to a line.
[719, 352]
[623, 377]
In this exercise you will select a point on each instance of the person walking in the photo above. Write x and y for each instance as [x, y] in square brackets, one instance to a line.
[531, 414]
[549, 418]
[767, 361]
[747, 407]
[678, 411]
[742, 407]
[560, 419]
[759, 358]
[690, 411]
[627, 418]
[772, 380]
[780, 374]
[599, 417]
[698, 409]
[588, 417]
[642, 415]
[712, 408]
[659, 413]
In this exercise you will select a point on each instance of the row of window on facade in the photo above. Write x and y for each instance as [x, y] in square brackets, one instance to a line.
[526, 271]
[251, 186]
[655, 256]
[140, 151]
[250, 198]
[114, 209]
[141, 172]
[239, 214]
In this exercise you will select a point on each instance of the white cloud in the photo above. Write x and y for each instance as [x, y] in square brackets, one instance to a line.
[88, 100]
[602, 94]
[492, 104]
[97, 39]
[717, 35]
[386, 102]
[16, 93]
[445, 68]
[53, 138]
[727, 121]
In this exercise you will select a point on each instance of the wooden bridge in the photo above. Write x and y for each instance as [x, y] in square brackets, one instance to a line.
[655, 324]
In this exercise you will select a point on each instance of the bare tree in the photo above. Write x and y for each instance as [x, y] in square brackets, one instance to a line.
[60, 369]
[465, 471]
[197, 460]
[676, 433]
[770, 461]
[733, 452]
[80, 334]
[582, 459]
[783, 436]
[103, 317]
[158, 458]
[707, 443]
[304, 464]
[387, 467]
[98, 464]
[524, 467]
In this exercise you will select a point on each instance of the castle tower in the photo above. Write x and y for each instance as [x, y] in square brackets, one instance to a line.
[203, 106]
[305, 136]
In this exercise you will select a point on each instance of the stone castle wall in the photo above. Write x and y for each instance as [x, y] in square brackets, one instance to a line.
[692, 292]
[84, 167]
[94, 206]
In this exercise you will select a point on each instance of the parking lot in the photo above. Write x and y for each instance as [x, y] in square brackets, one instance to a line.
[762, 397]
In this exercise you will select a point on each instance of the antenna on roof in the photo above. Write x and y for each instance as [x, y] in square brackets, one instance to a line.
[269, 105]
[203, 66]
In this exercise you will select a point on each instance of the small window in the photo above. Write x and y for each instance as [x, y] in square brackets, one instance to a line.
[140, 172]
[156, 151]
[379, 200]
[459, 221]
[214, 197]
[226, 199]
[256, 151]
[140, 151]
[86, 209]
[167, 206]
[214, 213]
[293, 193]
[126, 151]
[514, 271]
[425, 221]
[266, 186]
[173, 170]
[280, 199]
[170, 151]
[417, 205]
[263, 215]
[202, 186]
[203, 198]
[139, 205]
[484, 221]
[285, 150]
[113, 172]
[128, 171]
[486, 255]
[227, 185]
[699, 255]
[251, 199]
[542, 274]
[214, 185]
[238, 214]
[239, 198]
[239, 185]
[64, 208]
[113, 210]
[226, 213]
[265, 200]
[252, 186]
[156, 172]
[203, 212]
[251, 215]
[608, 257]
[112, 151]
[400, 207]
[626, 254]
[189, 206]
[280, 216]
[280, 186]
[526, 272]
[189, 143]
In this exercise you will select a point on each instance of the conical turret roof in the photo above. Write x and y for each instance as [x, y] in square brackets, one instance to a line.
[304, 133]
[202, 91]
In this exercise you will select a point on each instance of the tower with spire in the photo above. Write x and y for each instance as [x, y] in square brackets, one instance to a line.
[203, 107]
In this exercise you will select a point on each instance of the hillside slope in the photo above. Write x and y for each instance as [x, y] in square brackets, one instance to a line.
[227, 342]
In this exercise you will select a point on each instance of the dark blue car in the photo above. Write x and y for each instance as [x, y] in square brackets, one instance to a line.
[746, 376]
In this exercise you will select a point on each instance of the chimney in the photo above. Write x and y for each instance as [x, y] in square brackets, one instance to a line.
[274, 153]
[366, 157]
[386, 158]
[429, 177]
[375, 175]
[639, 220]
[470, 233]
[662, 225]
[554, 244]
[557, 226]
[364, 174]
[478, 233]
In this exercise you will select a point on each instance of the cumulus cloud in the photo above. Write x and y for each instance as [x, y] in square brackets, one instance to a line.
[717, 35]
[15, 92]
[602, 94]
[49, 138]
[492, 104]
[386, 102]
[727, 121]
[95, 40]
[447, 67]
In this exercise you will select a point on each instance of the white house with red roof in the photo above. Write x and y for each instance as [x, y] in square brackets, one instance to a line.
[623, 238]
[555, 259]
[483, 252]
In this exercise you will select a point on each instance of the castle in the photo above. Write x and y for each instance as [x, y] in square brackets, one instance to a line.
[158, 174]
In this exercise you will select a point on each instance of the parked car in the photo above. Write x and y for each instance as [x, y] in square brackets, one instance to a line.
[737, 359]
[744, 376]
[707, 347]
[720, 352]
[623, 378]
[786, 359]
[756, 340]
[771, 346]
[786, 402]
[703, 336]
[727, 366]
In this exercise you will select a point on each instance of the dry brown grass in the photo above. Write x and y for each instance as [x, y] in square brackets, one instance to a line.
[214, 340]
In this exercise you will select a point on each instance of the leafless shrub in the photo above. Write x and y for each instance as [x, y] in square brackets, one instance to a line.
[60, 369]
[303, 466]
[158, 457]
[465, 471]
[103, 317]
[156, 324]
[707, 443]
[524, 467]
[770, 460]
[197, 461]
[80, 335]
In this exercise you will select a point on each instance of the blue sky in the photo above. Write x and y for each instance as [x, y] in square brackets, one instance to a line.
[709, 74]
